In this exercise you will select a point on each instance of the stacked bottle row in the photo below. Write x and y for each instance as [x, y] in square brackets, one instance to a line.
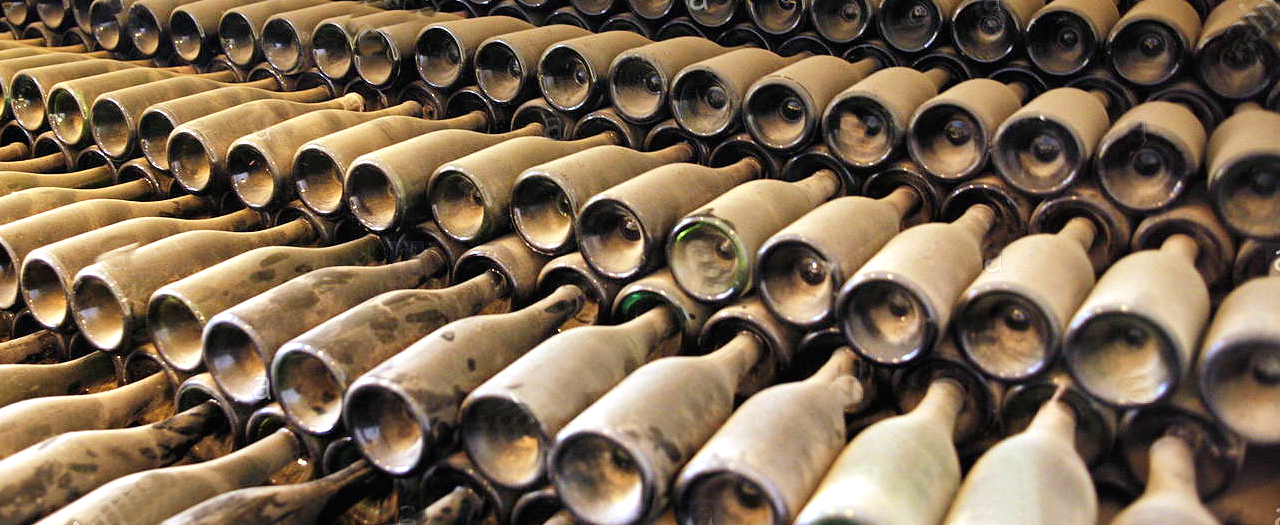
[1143, 156]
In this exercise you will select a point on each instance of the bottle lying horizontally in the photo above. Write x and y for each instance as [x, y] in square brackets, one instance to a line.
[1242, 165]
[68, 102]
[622, 231]
[729, 482]
[95, 372]
[1151, 155]
[28, 90]
[198, 150]
[260, 164]
[44, 477]
[242, 340]
[108, 298]
[509, 422]
[1049, 143]
[172, 490]
[91, 169]
[1239, 360]
[292, 504]
[239, 29]
[402, 411]
[388, 187]
[609, 475]
[1035, 475]
[950, 135]
[178, 312]
[26, 423]
[802, 266]
[909, 456]
[865, 125]
[470, 196]
[712, 251]
[311, 372]
[444, 54]
[896, 307]
[157, 122]
[28, 202]
[1133, 339]
[380, 50]
[19, 238]
[115, 116]
[546, 198]
[48, 272]
[41, 347]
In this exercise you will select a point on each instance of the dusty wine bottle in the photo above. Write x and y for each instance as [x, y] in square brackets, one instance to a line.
[260, 164]
[240, 341]
[416, 394]
[621, 230]
[108, 298]
[717, 488]
[508, 422]
[470, 196]
[389, 187]
[1128, 324]
[49, 475]
[48, 272]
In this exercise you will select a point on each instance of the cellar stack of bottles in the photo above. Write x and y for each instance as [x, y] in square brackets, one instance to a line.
[632, 262]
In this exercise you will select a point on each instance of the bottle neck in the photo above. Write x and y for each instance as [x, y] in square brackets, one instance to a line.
[1055, 420]
[1102, 97]
[123, 405]
[239, 220]
[297, 231]
[938, 76]
[481, 289]
[42, 164]
[85, 177]
[866, 66]
[904, 199]
[349, 475]
[739, 355]
[40, 346]
[86, 368]
[652, 327]
[942, 403]
[569, 294]
[252, 464]
[459, 507]
[193, 423]
[977, 220]
[314, 94]
[1019, 90]
[134, 189]
[819, 187]
[1181, 245]
[350, 101]
[532, 129]
[408, 108]
[682, 152]
[419, 268]
[269, 84]
[838, 373]
[184, 206]
[1172, 468]
[475, 120]
[607, 138]
[1081, 230]
[742, 171]
[220, 76]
